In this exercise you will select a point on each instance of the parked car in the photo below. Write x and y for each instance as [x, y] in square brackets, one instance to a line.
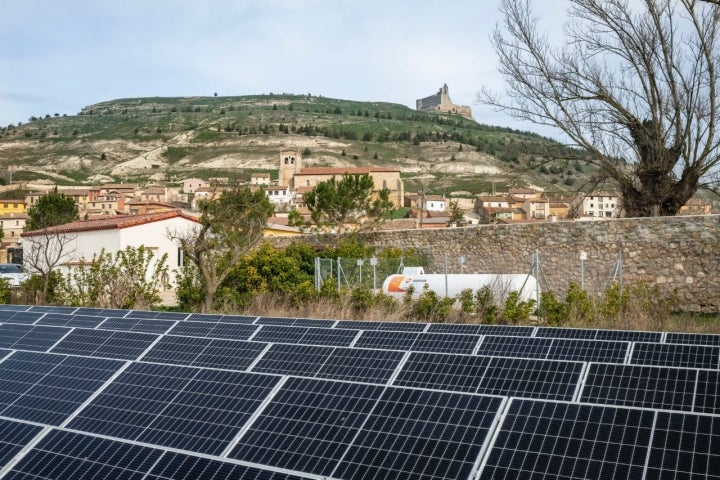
[14, 273]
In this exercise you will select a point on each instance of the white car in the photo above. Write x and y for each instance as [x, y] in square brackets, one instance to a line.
[14, 273]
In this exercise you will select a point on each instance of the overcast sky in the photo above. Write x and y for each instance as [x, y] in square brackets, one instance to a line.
[59, 56]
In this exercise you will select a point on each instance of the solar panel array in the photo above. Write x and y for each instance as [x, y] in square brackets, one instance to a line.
[91, 393]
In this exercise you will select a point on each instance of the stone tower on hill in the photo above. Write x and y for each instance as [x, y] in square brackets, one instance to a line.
[290, 164]
[441, 103]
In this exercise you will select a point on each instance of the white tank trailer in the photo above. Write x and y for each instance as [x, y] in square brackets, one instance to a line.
[452, 284]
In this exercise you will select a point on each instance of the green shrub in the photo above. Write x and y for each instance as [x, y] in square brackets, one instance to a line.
[517, 311]
[579, 304]
[485, 305]
[552, 309]
[467, 301]
[5, 291]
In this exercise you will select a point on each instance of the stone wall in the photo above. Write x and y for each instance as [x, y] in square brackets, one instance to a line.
[678, 254]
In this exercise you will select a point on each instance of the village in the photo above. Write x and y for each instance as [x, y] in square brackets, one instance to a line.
[111, 205]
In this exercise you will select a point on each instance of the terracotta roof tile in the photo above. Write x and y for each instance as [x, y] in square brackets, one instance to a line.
[115, 222]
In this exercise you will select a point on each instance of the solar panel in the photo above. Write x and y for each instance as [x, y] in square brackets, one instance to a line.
[327, 336]
[530, 378]
[205, 317]
[308, 425]
[304, 360]
[47, 388]
[30, 337]
[295, 322]
[105, 343]
[508, 330]
[179, 466]
[274, 333]
[524, 347]
[684, 446]
[51, 309]
[360, 365]
[420, 434]
[555, 332]
[675, 355]
[192, 409]
[141, 325]
[204, 352]
[385, 326]
[628, 336]
[470, 329]
[707, 396]
[640, 386]
[588, 350]
[69, 320]
[14, 436]
[22, 317]
[445, 343]
[235, 331]
[386, 340]
[459, 373]
[171, 316]
[13, 308]
[693, 338]
[548, 440]
[68, 455]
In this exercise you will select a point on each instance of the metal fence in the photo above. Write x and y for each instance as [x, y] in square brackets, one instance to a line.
[353, 273]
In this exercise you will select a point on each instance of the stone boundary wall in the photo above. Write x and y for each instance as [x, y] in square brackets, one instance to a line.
[678, 254]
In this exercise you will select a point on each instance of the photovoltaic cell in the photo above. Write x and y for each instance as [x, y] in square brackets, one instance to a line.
[14, 436]
[588, 350]
[684, 446]
[549, 440]
[180, 407]
[676, 355]
[308, 425]
[386, 340]
[278, 334]
[47, 388]
[640, 386]
[693, 338]
[385, 326]
[523, 347]
[360, 365]
[445, 343]
[628, 336]
[530, 378]
[459, 373]
[421, 435]
[105, 343]
[30, 337]
[577, 333]
[65, 455]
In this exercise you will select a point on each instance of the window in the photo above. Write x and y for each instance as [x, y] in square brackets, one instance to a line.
[180, 257]
[384, 183]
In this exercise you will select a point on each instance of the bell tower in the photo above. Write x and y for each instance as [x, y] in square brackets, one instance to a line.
[290, 164]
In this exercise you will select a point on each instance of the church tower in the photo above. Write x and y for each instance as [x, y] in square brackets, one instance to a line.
[290, 164]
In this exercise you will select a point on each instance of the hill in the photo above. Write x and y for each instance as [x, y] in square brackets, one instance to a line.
[156, 139]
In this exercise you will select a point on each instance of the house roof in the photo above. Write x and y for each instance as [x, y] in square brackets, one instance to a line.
[112, 223]
[341, 170]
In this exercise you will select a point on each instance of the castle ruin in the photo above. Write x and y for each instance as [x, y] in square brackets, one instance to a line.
[441, 103]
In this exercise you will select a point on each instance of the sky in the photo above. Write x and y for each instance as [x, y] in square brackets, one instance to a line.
[59, 56]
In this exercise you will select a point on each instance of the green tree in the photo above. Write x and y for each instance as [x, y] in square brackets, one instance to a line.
[635, 84]
[337, 203]
[50, 210]
[230, 226]
[456, 214]
[45, 244]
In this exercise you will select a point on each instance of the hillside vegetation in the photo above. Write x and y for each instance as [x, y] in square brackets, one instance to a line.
[155, 139]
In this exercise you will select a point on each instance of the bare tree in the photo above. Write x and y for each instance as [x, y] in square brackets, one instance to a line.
[230, 226]
[637, 88]
[43, 251]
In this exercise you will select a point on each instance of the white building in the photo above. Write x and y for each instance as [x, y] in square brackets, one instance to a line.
[280, 195]
[598, 205]
[87, 238]
[191, 185]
